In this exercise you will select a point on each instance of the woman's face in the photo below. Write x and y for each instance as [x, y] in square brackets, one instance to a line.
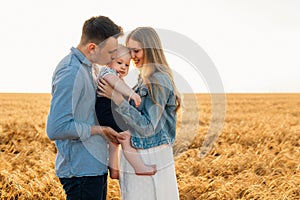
[137, 53]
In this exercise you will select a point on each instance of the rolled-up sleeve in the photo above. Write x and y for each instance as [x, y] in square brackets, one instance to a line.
[61, 123]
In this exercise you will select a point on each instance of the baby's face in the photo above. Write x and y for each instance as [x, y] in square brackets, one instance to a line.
[121, 65]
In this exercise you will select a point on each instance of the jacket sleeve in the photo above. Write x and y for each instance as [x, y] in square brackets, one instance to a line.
[147, 120]
[61, 124]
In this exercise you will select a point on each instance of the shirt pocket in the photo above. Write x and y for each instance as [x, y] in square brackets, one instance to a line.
[143, 92]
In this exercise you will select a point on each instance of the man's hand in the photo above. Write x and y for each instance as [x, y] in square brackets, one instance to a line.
[112, 135]
[109, 133]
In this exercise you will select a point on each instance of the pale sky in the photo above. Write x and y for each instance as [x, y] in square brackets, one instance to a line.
[254, 44]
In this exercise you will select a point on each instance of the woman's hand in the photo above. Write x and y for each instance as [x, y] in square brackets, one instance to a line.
[105, 90]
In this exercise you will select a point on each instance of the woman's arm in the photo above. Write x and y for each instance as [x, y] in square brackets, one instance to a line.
[120, 86]
[145, 123]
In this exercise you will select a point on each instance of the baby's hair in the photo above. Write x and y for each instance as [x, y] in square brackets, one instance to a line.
[122, 51]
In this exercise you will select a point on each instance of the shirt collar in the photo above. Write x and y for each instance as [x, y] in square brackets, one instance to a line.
[81, 57]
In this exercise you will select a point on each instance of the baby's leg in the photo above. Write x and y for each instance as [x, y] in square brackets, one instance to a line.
[113, 162]
[134, 158]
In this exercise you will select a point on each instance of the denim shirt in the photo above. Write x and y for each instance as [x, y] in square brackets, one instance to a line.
[152, 124]
[71, 115]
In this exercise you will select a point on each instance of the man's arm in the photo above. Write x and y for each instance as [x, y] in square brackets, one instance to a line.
[61, 124]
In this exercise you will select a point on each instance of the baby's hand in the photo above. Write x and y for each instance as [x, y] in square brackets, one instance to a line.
[136, 98]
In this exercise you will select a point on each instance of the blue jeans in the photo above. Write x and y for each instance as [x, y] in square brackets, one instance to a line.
[85, 188]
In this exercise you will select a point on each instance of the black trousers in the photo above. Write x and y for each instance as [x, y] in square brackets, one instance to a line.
[85, 188]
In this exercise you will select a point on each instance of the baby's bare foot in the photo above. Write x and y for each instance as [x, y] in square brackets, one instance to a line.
[149, 170]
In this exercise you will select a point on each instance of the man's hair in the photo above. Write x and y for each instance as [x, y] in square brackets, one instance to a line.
[98, 29]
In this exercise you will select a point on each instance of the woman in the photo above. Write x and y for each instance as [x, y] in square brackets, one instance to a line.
[153, 123]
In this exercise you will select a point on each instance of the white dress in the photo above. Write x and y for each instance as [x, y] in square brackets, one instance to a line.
[161, 186]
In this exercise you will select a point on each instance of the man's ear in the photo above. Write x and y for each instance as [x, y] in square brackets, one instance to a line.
[91, 47]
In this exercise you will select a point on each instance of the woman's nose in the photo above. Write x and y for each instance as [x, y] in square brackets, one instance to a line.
[132, 54]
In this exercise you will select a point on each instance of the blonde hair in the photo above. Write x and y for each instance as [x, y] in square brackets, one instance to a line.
[154, 60]
[122, 51]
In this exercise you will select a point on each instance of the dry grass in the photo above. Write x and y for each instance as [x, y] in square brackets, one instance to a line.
[256, 156]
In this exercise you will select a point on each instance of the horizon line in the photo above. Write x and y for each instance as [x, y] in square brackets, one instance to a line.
[187, 93]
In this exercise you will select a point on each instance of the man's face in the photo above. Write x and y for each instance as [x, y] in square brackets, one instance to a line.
[104, 54]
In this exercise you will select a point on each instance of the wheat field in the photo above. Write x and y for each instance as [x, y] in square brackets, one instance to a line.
[257, 155]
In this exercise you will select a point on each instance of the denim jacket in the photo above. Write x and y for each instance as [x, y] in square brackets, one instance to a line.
[152, 124]
[71, 115]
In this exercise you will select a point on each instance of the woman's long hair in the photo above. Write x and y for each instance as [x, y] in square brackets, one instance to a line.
[154, 60]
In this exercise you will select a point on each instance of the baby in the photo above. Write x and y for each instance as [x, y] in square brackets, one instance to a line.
[113, 74]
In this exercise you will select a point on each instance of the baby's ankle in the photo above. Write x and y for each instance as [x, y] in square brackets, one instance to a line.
[113, 173]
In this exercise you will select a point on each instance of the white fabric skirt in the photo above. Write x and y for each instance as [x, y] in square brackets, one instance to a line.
[161, 186]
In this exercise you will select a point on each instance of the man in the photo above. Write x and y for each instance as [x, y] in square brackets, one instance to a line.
[81, 162]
